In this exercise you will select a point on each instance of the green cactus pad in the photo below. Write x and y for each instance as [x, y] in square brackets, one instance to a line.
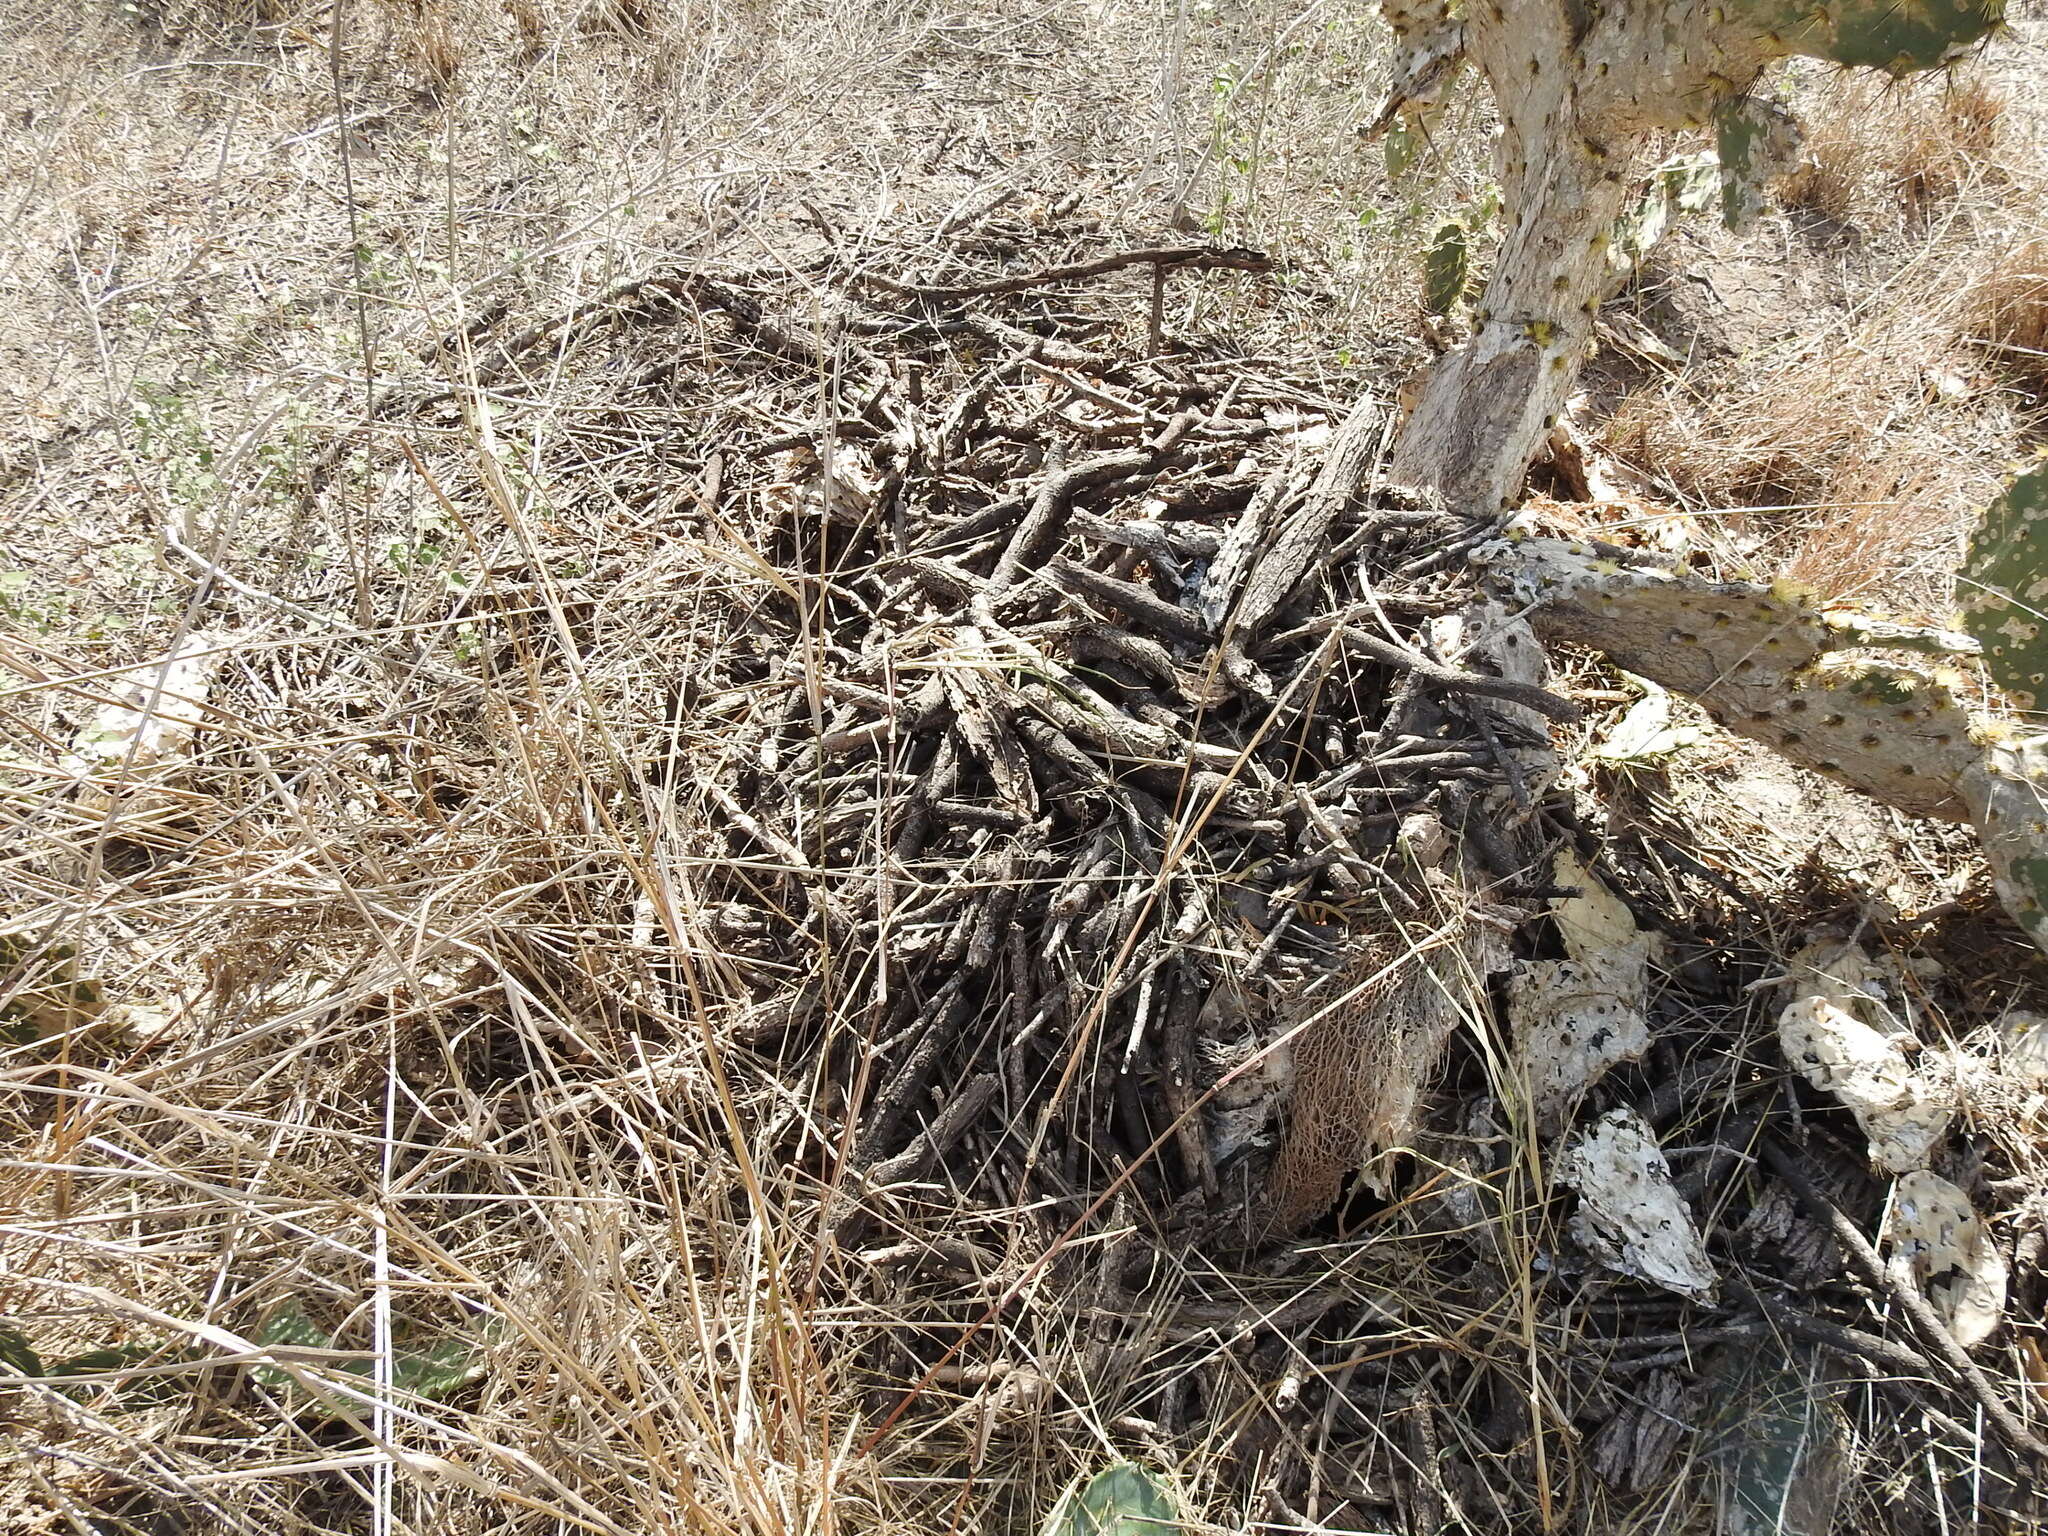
[1897, 36]
[1446, 266]
[1900, 36]
[1755, 141]
[1123, 1500]
[2003, 590]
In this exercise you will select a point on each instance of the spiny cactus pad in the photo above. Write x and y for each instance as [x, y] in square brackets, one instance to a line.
[1897, 36]
[1766, 663]
[1769, 664]
[1446, 267]
[1755, 141]
[2008, 796]
[2004, 589]
[1123, 1500]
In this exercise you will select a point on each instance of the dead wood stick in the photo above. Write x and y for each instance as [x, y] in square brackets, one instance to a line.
[1202, 258]
[1055, 746]
[1141, 603]
[1436, 675]
[1131, 410]
[1933, 1334]
[900, 717]
[965, 813]
[938, 1138]
[1178, 541]
[1028, 345]
[1873, 1349]
[810, 880]
[1354, 451]
[1095, 719]
[941, 1018]
[1049, 506]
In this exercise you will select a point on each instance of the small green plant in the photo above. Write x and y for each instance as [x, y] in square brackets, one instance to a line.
[434, 1370]
[20, 1357]
[1685, 184]
[1446, 267]
[1123, 1500]
[42, 992]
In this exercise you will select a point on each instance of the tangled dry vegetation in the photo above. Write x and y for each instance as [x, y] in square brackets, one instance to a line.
[835, 853]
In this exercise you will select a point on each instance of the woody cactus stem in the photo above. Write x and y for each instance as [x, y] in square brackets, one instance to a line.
[1582, 90]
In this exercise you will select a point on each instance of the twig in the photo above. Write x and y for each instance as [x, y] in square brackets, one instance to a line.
[1202, 258]
[1877, 1274]
[1436, 675]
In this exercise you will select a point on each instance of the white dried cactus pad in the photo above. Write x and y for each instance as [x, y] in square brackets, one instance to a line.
[1904, 1112]
[2023, 1048]
[147, 726]
[2008, 796]
[1575, 1018]
[1850, 977]
[1630, 1217]
[1941, 1245]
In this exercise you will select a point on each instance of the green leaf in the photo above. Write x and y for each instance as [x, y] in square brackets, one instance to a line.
[440, 1370]
[434, 1372]
[1123, 1500]
[1404, 141]
[1446, 267]
[94, 1361]
[2003, 590]
[16, 1353]
[1682, 185]
[1897, 36]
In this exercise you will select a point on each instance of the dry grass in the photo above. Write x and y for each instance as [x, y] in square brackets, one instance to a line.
[1881, 417]
[2007, 312]
[1877, 149]
[421, 1022]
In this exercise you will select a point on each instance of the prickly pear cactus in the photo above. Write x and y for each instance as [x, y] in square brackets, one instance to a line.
[1768, 663]
[1896, 36]
[2008, 794]
[1446, 267]
[2003, 590]
[1123, 1500]
[1754, 141]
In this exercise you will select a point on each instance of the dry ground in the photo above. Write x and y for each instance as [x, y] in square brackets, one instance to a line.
[420, 1043]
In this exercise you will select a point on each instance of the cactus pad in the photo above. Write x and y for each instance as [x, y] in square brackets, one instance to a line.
[1896, 36]
[1755, 141]
[1446, 267]
[1123, 1500]
[2008, 796]
[2004, 589]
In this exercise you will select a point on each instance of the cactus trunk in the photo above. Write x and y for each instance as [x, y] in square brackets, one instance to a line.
[1582, 91]
[1487, 406]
